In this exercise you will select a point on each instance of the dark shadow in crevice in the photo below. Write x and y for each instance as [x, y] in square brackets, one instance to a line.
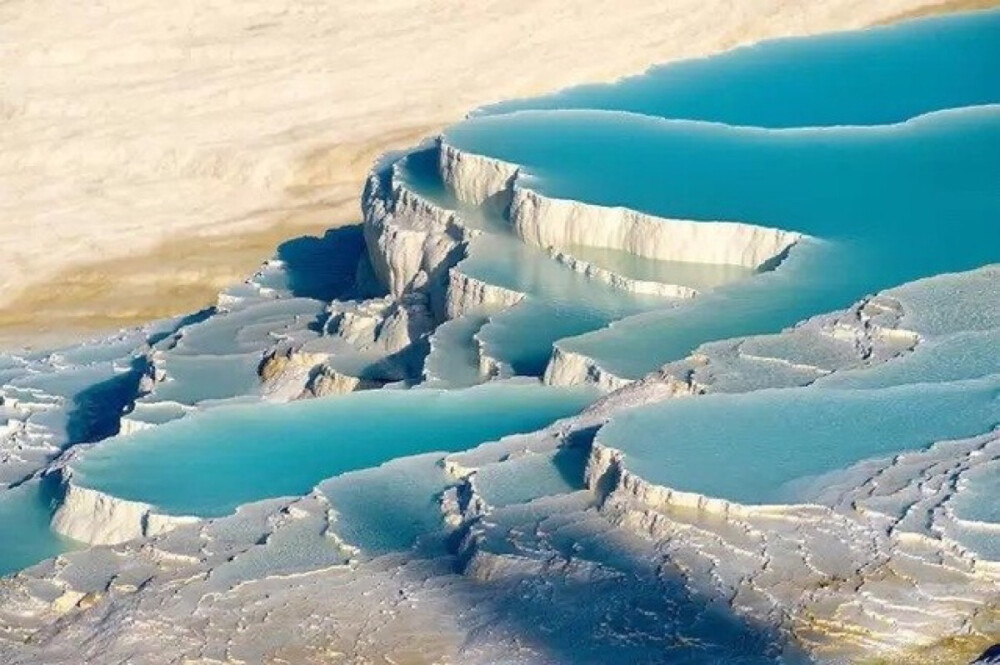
[323, 268]
[155, 338]
[594, 595]
[775, 261]
[571, 458]
[97, 411]
[991, 655]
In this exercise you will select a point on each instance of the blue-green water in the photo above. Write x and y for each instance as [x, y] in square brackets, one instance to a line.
[870, 77]
[210, 463]
[977, 498]
[883, 147]
[885, 205]
[754, 448]
[390, 507]
[764, 446]
[25, 537]
[559, 301]
[817, 135]
[698, 276]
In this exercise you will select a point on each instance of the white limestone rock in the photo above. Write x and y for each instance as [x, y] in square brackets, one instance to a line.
[328, 381]
[470, 295]
[96, 518]
[567, 368]
[549, 222]
[411, 242]
[476, 180]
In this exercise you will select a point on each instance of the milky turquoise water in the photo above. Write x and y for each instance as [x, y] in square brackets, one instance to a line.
[888, 202]
[698, 276]
[25, 537]
[878, 76]
[752, 448]
[886, 205]
[532, 476]
[885, 196]
[763, 447]
[977, 499]
[560, 302]
[389, 508]
[210, 463]
[453, 361]
[883, 147]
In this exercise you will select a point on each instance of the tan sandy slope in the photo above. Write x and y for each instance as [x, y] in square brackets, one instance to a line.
[152, 152]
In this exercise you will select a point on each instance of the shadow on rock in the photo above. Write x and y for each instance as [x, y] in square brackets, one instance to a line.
[323, 268]
[97, 410]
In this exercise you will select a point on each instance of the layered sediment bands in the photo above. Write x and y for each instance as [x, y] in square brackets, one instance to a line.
[844, 579]
[867, 558]
[550, 222]
[850, 584]
[96, 518]
[283, 372]
[477, 180]
[411, 242]
[863, 335]
[416, 245]
[567, 368]
[732, 525]
[926, 493]
[468, 295]
[293, 375]
[607, 475]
